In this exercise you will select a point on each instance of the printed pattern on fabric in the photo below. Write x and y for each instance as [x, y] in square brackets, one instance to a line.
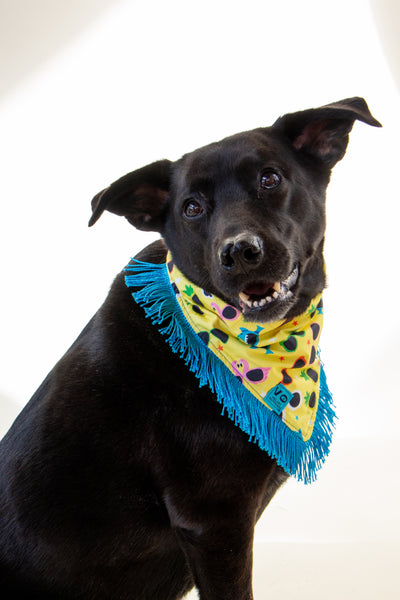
[278, 363]
[173, 306]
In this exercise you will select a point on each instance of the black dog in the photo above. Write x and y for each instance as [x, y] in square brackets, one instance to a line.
[121, 479]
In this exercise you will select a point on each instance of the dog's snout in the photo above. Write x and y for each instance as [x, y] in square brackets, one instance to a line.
[241, 252]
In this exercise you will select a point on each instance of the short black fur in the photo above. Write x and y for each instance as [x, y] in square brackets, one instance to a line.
[120, 478]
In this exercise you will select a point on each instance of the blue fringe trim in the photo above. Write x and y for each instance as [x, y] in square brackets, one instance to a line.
[298, 458]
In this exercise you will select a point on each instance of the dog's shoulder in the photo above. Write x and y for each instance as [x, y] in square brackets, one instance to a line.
[154, 253]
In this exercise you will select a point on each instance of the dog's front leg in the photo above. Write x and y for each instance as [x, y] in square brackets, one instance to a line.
[220, 555]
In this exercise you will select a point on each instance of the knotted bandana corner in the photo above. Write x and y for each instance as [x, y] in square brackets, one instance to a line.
[268, 377]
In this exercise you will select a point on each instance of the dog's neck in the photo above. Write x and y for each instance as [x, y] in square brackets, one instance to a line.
[277, 362]
[268, 377]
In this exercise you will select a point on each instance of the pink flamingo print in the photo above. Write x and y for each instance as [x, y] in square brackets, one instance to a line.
[242, 371]
[228, 312]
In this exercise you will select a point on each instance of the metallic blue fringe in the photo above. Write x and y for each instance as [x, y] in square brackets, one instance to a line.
[298, 458]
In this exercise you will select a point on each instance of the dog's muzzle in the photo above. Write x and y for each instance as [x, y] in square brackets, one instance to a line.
[257, 289]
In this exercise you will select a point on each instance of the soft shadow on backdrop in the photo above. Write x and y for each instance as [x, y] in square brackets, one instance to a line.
[91, 89]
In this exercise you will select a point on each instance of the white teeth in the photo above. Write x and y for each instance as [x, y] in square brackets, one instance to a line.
[281, 289]
[256, 303]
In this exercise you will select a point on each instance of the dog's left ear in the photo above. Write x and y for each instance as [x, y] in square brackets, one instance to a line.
[323, 132]
[141, 196]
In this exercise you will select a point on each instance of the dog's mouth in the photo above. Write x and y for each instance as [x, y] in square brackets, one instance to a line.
[260, 295]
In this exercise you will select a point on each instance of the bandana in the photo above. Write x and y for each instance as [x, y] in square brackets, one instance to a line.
[268, 377]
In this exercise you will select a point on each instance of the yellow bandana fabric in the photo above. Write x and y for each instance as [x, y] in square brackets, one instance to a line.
[277, 362]
[268, 378]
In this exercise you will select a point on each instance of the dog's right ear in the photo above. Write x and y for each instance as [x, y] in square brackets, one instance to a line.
[141, 196]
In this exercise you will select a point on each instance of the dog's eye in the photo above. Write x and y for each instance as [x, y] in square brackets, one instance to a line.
[270, 180]
[193, 209]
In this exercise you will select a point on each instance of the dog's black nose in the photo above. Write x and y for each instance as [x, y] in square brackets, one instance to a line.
[241, 253]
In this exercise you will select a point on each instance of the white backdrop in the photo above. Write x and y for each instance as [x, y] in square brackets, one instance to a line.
[149, 79]
[146, 79]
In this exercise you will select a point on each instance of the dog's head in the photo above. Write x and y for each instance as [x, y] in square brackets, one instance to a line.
[244, 218]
